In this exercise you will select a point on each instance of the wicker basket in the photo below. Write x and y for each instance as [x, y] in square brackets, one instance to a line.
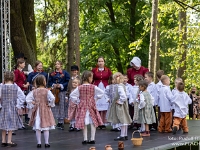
[136, 141]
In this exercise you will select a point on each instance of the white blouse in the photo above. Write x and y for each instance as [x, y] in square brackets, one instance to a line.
[74, 96]
[122, 94]
[30, 98]
[180, 101]
[20, 96]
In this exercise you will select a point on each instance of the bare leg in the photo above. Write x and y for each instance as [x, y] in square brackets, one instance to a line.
[3, 136]
[9, 137]
[146, 127]
[194, 117]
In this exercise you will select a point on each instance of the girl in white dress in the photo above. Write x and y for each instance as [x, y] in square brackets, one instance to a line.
[41, 100]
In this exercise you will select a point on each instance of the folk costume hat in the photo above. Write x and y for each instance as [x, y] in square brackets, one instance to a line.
[20, 55]
[74, 67]
[136, 61]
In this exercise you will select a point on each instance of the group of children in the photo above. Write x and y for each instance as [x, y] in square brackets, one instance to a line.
[127, 104]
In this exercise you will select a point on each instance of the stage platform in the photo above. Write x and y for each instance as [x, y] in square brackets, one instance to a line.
[64, 140]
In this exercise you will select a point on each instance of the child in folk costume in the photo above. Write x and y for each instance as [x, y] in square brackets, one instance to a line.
[74, 74]
[164, 101]
[180, 101]
[109, 94]
[119, 109]
[136, 91]
[42, 117]
[152, 90]
[146, 112]
[72, 109]
[87, 112]
[159, 74]
[129, 91]
[11, 97]
[174, 91]
[58, 80]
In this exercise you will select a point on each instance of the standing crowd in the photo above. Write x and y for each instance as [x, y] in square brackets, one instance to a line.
[97, 98]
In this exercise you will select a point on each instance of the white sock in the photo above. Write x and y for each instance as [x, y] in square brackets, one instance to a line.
[126, 128]
[46, 136]
[142, 127]
[85, 133]
[93, 131]
[38, 136]
[122, 131]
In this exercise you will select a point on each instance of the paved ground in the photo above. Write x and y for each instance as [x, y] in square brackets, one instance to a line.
[64, 140]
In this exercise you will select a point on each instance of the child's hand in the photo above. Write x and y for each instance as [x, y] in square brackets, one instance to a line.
[108, 101]
[118, 102]
[33, 102]
[66, 100]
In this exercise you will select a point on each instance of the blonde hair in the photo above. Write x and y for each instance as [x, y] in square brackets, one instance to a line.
[164, 78]
[179, 79]
[118, 78]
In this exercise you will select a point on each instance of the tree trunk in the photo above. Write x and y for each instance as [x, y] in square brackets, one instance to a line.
[73, 35]
[152, 46]
[182, 46]
[115, 48]
[19, 40]
[132, 19]
[77, 35]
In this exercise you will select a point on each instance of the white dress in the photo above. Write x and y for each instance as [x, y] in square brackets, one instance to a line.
[29, 99]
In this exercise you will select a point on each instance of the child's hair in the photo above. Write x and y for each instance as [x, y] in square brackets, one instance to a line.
[125, 75]
[164, 78]
[85, 76]
[40, 80]
[78, 79]
[110, 79]
[181, 86]
[118, 77]
[138, 77]
[60, 62]
[143, 83]
[179, 79]
[20, 61]
[37, 63]
[159, 73]
[149, 74]
[9, 76]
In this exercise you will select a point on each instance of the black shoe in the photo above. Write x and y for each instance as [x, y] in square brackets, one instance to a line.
[42, 131]
[91, 142]
[84, 142]
[126, 137]
[152, 129]
[71, 129]
[58, 125]
[77, 129]
[62, 126]
[47, 145]
[3, 144]
[13, 133]
[174, 130]
[23, 128]
[119, 138]
[115, 129]
[11, 144]
[39, 146]
[103, 127]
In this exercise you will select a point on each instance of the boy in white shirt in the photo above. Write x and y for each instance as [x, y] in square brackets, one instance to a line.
[180, 101]
[164, 101]
[152, 91]
[159, 74]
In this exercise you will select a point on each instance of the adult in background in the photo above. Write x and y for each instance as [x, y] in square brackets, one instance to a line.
[58, 80]
[27, 68]
[136, 69]
[101, 76]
